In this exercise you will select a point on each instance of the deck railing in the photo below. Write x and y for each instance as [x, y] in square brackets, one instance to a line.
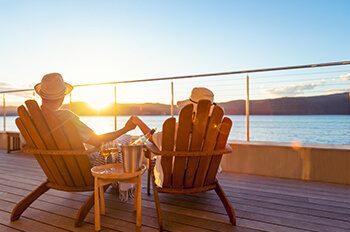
[247, 74]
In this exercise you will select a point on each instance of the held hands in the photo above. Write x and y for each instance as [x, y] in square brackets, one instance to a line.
[130, 125]
[136, 120]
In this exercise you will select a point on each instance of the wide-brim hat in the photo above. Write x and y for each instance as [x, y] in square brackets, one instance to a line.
[198, 93]
[52, 86]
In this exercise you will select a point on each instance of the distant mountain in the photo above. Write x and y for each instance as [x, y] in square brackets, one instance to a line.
[325, 104]
[10, 110]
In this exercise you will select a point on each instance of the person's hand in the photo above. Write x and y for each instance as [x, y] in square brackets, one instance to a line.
[129, 125]
[136, 120]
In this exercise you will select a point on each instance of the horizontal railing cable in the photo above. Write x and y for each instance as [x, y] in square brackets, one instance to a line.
[204, 75]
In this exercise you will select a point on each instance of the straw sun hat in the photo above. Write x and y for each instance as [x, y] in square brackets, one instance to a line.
[198, 93]
[52, 86]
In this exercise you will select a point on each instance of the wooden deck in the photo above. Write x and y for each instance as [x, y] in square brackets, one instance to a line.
[261, 203]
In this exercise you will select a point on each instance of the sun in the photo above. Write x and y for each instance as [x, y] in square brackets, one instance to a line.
[98, 97]
[98, 103]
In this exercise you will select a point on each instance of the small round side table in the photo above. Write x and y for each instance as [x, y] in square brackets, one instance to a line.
[107, 174]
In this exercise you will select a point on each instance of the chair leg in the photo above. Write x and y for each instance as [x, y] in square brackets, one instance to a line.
[149, 176]
[85, 209]
[227, 204]
[156, 201]
[28, 200]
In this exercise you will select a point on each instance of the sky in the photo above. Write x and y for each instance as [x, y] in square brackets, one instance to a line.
[103, 41]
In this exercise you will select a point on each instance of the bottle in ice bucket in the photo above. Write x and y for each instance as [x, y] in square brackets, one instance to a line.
[144, 138]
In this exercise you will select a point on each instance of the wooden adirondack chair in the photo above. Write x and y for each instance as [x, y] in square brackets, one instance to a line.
[61, 154]
[191, 161]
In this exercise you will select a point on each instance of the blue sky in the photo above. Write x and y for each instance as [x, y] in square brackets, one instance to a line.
[94, 41]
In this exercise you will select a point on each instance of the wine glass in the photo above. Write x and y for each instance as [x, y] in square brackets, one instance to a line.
[114, 148]
[105, 150]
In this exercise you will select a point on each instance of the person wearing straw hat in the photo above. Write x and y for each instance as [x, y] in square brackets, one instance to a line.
[197, 94]
[52, 89]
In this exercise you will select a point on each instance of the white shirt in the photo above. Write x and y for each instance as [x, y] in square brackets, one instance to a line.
[158, 171]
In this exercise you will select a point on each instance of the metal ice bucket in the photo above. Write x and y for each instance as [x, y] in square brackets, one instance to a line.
[132, 157]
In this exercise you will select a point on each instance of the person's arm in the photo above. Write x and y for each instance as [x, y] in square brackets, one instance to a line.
[143, 127]
[138, 122]
[97, 140]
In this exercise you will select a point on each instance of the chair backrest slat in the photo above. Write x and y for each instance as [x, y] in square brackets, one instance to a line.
[43, 129]
[209, 144]
[40, 124]
[27, 136]
[76, 143]
[67, 163]
[208, 131]
[221, 141]
[34, 134]
[168, 137]
[182, 144]
[198, 133]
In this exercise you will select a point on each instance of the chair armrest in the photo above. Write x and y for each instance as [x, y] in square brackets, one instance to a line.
[153, 148]
[35, 151]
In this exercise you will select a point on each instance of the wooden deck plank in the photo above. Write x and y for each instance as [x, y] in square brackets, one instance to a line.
[265, 198]
[48, 215]
[284, 182]
[243, 204]
[129, 216]
[339, 194]
[262, 204]
[38, 182]
[26, 224]
[125, 210]
[293, 206]
[306, 218]
[4, 228]
[63, 210]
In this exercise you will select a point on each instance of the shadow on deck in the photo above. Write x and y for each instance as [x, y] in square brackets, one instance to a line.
[261, 203]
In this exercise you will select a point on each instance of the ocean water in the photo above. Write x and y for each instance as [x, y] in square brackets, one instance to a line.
[306, 129]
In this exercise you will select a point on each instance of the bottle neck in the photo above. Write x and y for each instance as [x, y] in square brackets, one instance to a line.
[149, 134]
[144, 138]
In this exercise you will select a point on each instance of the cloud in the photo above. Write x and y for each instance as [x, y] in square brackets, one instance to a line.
[293, 90]
[345, 77]
[334, 91]
[5, 86]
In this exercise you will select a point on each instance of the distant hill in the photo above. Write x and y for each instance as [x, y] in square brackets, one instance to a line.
[325, 104]
[10, 110]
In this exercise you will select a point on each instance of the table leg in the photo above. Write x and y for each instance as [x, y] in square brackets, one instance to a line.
[102, 201]
[97, 206]
[138, 202]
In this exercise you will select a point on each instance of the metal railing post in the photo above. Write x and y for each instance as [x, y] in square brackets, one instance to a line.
[115, 107]
[172, 99]
[4, 110]
[247, 110]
